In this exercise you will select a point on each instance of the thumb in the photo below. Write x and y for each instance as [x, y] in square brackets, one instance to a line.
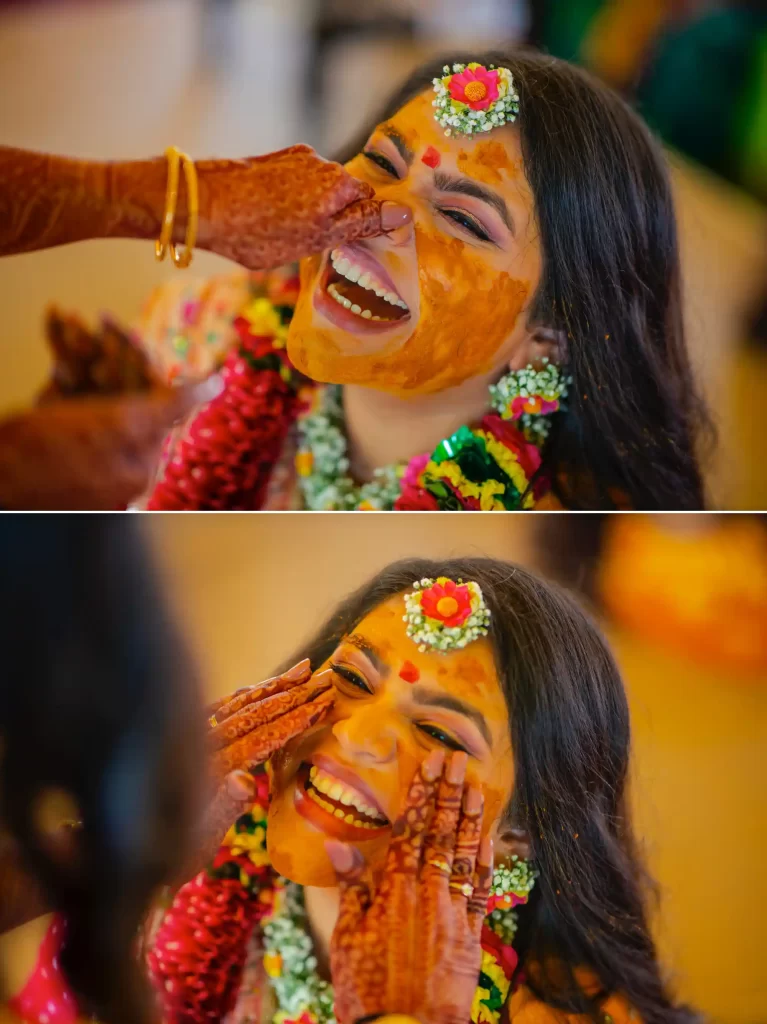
[353, 880]
[366, 219]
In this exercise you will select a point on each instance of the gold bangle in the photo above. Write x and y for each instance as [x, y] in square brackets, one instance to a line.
[182, 260]
[171, 199]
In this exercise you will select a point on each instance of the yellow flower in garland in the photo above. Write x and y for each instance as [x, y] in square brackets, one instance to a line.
[252, 845]
[507, 460]
[265, 320]
[273, 964]
[494, 972]
[484, 493]
[480, 1013]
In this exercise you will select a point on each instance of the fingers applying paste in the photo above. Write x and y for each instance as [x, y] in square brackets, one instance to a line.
[257, 715]
[439, 847]
[477, 906]
[228, 706]
[259, 745]
[467, 843]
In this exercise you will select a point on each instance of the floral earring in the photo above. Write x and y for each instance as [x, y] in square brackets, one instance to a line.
[530, 397]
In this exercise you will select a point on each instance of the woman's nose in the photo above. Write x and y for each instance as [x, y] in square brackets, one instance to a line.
[366, 737]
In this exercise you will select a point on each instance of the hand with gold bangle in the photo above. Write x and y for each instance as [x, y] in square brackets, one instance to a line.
[260, 211]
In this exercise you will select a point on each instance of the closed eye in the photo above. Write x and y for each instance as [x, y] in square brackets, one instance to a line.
[465, 221]
[351, 677]
[442, 737]
[381, 161]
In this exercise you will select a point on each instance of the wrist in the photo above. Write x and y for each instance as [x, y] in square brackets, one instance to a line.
[134, 198]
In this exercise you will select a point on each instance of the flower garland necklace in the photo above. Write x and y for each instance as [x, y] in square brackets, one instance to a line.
[200, 948]
[493, 466]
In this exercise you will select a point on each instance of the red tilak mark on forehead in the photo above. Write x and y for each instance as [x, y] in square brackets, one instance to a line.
[409, 672]
[431, 157]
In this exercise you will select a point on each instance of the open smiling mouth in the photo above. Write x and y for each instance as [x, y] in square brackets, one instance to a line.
[335, 807]
[355, 292]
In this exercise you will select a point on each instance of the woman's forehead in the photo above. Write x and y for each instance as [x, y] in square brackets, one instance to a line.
[489, 158]
[471, 668]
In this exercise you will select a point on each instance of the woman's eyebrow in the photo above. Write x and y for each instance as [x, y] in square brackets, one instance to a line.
[469, 187]
[440, 699]
[398, 140]
[369, 649]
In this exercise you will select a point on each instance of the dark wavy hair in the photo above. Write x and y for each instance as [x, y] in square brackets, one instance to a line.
[97, 699]
[610, 283]
[570, 739]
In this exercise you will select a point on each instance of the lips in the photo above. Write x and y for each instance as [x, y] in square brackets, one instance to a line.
[337, 802]
[356, 293]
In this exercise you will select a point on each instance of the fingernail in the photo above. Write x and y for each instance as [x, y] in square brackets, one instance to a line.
[298, 671]
[473, 800]
[209, 389]
[340, 855]
[240, 785]
[395, 215]
[431, 768]
[457, 767]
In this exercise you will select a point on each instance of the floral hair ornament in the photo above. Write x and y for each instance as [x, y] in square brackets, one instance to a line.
[445, 614]
[474, 98]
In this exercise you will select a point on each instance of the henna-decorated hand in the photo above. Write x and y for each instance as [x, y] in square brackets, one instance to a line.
[92, 453]
[412, 946]
[268, 210]
[257, 721]
[260, 211]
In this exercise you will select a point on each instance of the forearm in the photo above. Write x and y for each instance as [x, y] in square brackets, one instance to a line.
[48, 200]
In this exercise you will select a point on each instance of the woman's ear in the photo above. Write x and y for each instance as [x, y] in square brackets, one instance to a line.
[56, 819]
[514, 842]
[540, 343]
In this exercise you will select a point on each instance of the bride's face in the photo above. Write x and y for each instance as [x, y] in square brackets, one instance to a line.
[456, 283]
[349, 778]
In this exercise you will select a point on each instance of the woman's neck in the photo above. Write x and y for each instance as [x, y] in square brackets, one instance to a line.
[382, 429]
[322, 906]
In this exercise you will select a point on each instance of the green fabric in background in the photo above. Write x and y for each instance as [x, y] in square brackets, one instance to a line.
[704, 87]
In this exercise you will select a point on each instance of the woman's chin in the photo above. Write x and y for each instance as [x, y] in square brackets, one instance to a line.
[296, 846]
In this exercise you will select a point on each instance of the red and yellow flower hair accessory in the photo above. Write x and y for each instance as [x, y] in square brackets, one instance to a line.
[473, 98]
[445, 614]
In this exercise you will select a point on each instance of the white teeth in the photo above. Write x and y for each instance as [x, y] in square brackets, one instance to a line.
[343, 266]
[335, 790]
[347, 304]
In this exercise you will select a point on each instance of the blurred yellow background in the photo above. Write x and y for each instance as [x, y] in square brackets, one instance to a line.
[125, 78]
[249, 589]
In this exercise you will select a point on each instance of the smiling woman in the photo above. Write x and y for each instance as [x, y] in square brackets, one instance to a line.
[518, 343]
[362, 856]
